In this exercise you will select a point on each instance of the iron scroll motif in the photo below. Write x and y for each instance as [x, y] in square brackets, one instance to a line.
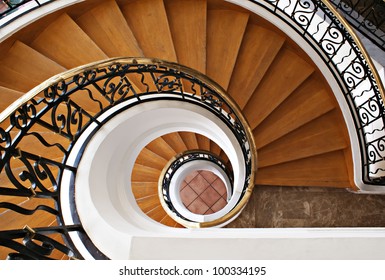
[36, 139]
[368, 16]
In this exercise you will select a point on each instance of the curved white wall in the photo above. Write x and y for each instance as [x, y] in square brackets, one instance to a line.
[104, 199]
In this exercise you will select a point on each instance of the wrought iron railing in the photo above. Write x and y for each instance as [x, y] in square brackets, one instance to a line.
[36, 138]
[172, 167]
[12, 9]
[336, 43]
[368, 16]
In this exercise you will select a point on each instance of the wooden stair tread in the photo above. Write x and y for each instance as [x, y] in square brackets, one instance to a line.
[308, 102]
[68, 44]
[107, 27]
[13, 220]
[17, 200]
[257, 52]
[168, 221]
[187, 20]
[151, 159]
[17, 164]
[189, 139]
[325, 170]
[149, 24]
[320, 136]
[203, 142]
[23, 68]
[225, 29]
[175, 141]
[32, 144]
[8, 96]
[161, 148]
[144, 189]
[141, 173]
[214, 148]
[157, 213]
[147, 204]
[286, 73]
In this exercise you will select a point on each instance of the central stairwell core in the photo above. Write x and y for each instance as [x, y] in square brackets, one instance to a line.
[203, 192]
[110, 170]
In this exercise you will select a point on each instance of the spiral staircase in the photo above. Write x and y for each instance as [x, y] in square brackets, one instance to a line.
[290, 110]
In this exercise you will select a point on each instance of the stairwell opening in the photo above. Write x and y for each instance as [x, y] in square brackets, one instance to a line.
[203, 193]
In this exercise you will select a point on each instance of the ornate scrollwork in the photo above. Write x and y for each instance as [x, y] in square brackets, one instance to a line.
[355, 74]
[368, 16]
[117, 90]
[304, 13]
[333, 40]
[169, 83]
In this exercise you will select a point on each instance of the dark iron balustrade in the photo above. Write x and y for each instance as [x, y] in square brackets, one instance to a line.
[42, 131]
[9, 7]
[368, 16]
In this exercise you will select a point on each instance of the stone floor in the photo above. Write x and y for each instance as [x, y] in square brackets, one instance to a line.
[271, 207]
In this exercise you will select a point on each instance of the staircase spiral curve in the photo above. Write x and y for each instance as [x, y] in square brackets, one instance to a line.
[294, 117]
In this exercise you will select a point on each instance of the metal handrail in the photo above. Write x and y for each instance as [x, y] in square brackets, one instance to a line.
[18, 6]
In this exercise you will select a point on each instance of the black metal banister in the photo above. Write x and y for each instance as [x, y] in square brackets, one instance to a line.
[367, 16]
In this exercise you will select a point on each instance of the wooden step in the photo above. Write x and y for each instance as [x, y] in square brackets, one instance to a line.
[149, 24]
[326, 170]
[23, 68]
[32, 144]
[13, 220]
[17, 200]
[308, 102]
[175, 141]
[225, 29]
[257, 52]
[141, 173]
[187, 20]
[168, 221]
[66, 43]
[148, 203]
[320, 136]
[157, 213]
[287, 72]
[151, 159]
[203, 142]
[214, 148]
[189, 139]
[107, 27]
[8, 96]
[141, 190]
[161, 148]
[100, 25]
